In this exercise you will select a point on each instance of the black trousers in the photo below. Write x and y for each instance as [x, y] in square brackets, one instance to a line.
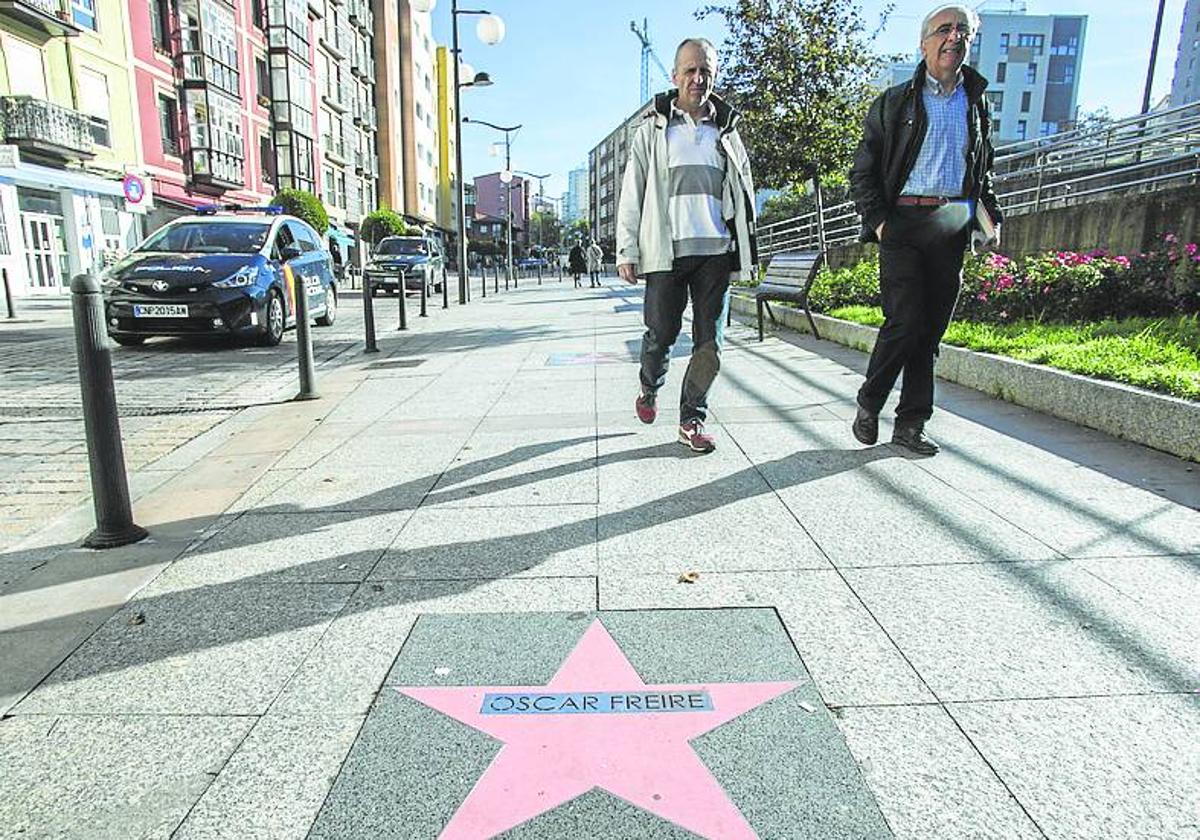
[920, 273]
[706, 281]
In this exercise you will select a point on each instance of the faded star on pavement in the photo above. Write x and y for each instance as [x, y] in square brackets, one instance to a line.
[642, 757]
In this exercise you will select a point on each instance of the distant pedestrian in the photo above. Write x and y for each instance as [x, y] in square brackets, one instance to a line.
[595, 259]
[922, 180]
[577, 262]
[686, 223]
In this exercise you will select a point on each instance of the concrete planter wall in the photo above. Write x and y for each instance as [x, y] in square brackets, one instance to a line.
[1155, 420]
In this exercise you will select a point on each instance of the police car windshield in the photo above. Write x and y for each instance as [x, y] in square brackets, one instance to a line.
[393, 246]
[203, 237]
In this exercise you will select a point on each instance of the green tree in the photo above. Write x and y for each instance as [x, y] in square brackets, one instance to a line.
[303, 205]
[546, 229]
[380, 223]
[797, 201]
[800, 71]
[578, 229]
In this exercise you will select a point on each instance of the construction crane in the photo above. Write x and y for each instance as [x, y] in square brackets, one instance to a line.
[647, 56]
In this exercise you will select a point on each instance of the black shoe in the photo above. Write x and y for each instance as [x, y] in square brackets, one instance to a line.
[914, 439]
[865, 427]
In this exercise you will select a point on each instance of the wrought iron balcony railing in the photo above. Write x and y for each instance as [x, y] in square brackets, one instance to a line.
[47, 129]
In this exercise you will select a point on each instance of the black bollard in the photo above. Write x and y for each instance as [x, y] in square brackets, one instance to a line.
[560, 273]
[403, 300]
[424, 296]
[445, 292]
[12, 313]
[102, 426]
[539, 268]
[304, 349]
[369, 314]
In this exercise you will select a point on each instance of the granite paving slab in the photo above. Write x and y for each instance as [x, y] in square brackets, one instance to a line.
[542, 541]
[29, 655]
[1006, 630]
[505, 482]
[1169, 587]
[224, 649]
[105, 777]
[783, 763]
[299, 755]
[1096, 767]
[851, 659]
[755, 532]
[930, 781]
[276, 547]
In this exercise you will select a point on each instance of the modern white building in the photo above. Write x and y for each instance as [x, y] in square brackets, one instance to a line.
[419, 113]
[577, 195]
[1032, 62]
[1186, 86]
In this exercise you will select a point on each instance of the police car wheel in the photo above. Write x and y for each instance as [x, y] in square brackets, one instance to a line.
[330, 315]
[272, 332]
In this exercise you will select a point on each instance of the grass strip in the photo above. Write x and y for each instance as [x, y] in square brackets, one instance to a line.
[1159, 354]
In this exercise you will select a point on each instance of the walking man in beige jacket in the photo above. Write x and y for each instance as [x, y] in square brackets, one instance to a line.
[686, 223]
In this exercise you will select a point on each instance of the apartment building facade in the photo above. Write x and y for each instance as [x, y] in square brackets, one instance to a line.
[606, 167]
[418, 107]
[1185, 86]
[576, 204]
[1032, 63]
[493, 198]
[69, 148]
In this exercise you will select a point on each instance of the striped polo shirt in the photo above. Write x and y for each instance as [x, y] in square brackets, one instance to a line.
[696, 175]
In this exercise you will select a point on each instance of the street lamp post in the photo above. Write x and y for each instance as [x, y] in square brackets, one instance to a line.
[490, 30]
[505, 178]
[541, 193]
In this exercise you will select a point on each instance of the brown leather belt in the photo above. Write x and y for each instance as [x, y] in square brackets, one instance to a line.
[923, 200]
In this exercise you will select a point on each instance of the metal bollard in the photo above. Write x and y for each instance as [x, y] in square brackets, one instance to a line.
[106, 458]
[445, 292]
[304, 349]
[539, 268]
[424, 296]
[12, 313]
[369, 314]
[560, 273]
[496, 276]
[403, 301]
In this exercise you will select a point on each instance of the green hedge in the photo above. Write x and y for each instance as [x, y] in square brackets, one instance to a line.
[303, 205]
[380, 223]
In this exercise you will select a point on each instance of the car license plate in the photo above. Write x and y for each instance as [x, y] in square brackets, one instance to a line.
[160, 310]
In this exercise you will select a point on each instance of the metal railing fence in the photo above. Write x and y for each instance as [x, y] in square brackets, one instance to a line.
[1148, 152]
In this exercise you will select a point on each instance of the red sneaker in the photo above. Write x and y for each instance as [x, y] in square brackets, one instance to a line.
[645, 407]
[691, 435]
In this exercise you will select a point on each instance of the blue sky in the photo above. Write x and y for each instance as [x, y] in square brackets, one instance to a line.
[569, 70]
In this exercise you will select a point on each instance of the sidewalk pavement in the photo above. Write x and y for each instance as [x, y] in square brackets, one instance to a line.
[1005, 636]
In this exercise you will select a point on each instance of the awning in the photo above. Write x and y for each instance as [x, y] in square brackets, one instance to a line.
[341, 237]
[42, 177]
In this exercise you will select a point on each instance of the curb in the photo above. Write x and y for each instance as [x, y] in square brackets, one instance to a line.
[1161, 422]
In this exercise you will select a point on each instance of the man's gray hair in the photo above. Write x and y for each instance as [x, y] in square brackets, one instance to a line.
[966, 11]
[702, 43]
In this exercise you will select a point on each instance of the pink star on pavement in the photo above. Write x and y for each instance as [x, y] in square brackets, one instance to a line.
[579, 732]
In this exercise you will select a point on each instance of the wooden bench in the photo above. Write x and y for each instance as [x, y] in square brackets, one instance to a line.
[789, 276]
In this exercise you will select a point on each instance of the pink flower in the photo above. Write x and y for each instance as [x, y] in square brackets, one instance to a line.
[1191, 249]
[1122, 261]
[1005, 282]
[981, 296]
[1170, 237]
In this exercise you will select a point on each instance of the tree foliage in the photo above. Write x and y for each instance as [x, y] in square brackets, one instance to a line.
[303, 205]
[800, 71]
[800, 200]
[381, 223]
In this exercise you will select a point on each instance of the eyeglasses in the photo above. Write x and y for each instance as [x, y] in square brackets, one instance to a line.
[945, 29]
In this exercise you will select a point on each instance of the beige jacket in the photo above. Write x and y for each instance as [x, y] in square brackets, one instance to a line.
[643, 227]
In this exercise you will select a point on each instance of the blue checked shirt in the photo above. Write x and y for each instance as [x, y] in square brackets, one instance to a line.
[941, 165]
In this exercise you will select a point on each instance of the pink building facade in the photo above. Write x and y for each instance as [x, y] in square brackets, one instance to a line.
[227, 97]
[490, 200]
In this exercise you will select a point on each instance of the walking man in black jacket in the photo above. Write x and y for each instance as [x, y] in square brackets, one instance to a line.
[921, 174]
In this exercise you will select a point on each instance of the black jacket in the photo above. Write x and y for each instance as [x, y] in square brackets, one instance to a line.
[892, 135]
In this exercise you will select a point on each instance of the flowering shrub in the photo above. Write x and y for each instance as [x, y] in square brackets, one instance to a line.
[1061, 286]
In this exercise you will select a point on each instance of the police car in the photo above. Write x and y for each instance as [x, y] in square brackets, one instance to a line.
[227, 270]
